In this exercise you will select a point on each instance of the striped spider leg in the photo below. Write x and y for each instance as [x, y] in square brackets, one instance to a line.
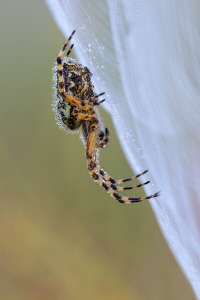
[101, 177]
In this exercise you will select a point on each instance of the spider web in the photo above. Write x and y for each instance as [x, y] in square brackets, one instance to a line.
[145, 57]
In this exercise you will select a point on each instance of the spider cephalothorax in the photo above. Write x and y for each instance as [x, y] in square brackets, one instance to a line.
[75, 106]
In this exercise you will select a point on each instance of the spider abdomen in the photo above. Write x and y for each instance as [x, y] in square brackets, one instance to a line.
[77, 80]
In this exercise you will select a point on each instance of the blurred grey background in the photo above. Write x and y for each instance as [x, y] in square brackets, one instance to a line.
[61, 235]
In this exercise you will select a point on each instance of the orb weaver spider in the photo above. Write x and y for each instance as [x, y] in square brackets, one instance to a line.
[75, 106]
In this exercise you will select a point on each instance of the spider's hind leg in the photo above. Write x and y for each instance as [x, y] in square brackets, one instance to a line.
[96, 172]
[119, 181]
[104, 180]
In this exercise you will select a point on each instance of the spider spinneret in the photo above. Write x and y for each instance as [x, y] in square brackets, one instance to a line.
[75, 106]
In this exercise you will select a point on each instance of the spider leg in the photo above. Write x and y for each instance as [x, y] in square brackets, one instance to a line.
[100, 102]
[93, 100]
[99, 174]
[120, 188]
[73, 101]
[119, 181]
[79, 114]
[94, 170]
[61, 53]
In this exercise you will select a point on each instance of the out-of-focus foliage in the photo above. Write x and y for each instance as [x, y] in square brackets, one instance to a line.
[61, 236]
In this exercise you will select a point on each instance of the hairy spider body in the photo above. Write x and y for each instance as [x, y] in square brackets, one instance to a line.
[75, 106]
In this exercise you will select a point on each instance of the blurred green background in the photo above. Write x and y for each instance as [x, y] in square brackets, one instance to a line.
[61, 235]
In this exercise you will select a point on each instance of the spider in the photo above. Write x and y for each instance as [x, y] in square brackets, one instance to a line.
[75, 106]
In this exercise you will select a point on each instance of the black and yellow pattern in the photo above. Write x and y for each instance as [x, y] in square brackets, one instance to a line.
[76, 107]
